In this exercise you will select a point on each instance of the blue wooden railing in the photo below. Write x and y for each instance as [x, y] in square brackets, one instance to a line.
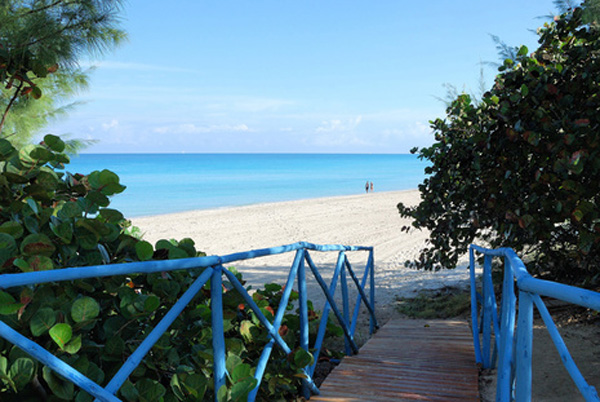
[214, 271]
[512, 345]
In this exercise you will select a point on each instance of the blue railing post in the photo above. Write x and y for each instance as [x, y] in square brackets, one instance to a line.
[474, 313]
[524, 347]
[303, 305]
[488, 294]
[345, 306]
[506, 353]
[218, 336]
[371, 263]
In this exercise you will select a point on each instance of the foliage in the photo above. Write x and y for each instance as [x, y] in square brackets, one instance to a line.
[441, 303]
[51, 219]
[40, 41]
[522, 168]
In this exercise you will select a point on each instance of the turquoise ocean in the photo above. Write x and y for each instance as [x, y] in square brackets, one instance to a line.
[165, 183]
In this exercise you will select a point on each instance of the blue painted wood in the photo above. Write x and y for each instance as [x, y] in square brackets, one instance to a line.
[57, 365]
[136, 357]
[507, 335]
[334, 307]
[371, 265]
[303, 307]
[325, 313]
[218, 337]
[214, 271]
[474, 309]
[488, 294]
[345, 306]
[361, 296]
[524, 347]
[515, 363]
[285, 297]
[586, 390]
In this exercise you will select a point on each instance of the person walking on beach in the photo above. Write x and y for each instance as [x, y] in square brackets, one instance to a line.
[367, 187]
[371, 186]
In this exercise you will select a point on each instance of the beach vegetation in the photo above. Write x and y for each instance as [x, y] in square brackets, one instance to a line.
[521, 167]
[51, 219]
[434, 304]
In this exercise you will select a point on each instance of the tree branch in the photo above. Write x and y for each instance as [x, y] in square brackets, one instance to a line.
[12, 100]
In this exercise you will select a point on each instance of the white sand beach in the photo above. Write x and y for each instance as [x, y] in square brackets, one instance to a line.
[360, 220]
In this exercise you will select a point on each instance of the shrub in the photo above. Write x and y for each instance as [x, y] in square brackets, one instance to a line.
[521, 169]
[51, 219]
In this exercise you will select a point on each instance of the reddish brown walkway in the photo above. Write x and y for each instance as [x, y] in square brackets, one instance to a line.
[408, 360]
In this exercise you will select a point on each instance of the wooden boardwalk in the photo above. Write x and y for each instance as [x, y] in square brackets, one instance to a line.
[408, 360]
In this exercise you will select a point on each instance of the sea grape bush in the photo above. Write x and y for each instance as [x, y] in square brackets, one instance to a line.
[51, 219]
[521, 168]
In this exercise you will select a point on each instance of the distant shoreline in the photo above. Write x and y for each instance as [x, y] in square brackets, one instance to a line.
[270, 203]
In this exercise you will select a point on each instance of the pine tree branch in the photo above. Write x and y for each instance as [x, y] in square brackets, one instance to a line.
[7, 109]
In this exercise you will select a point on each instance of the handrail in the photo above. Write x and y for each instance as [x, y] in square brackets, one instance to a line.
[214, 270]
[513, 344]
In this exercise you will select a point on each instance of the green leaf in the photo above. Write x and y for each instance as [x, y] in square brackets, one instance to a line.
[8, 247]
[36, 93]
[115, 346]
[40, 263]
[69, 210]
[151, 303]
[241, 372]
[522, 51]
[129, 392]
[232, 362]
[149, 390]
[111, 215]
[6, 148]
[60, 387]
[61, 334]
[524, 90]
[302, 358]
[85, 309]
[21, 372]
[222, 394]
[74, 345]
[196, 385]
[240, 390]
[22, 265]
[37, 244]
[42, 321]
[8, 304]
[144, 250]
[15, 229]
[54, 143]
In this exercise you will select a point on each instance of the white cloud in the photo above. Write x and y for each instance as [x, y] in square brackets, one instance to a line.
[190, 128]
[337, 125]
[112, 124]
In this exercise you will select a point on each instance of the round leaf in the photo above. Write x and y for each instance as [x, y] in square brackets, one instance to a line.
[37, 244]
[54, 143]
[61, 334]
[144, 250]
[85, 309]
[42, 321]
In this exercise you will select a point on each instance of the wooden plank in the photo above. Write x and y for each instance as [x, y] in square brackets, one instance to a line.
[408, 360]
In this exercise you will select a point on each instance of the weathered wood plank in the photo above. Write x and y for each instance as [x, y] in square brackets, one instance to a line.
[408, 360]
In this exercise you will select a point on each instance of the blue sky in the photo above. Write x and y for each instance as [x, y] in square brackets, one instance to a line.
[290, 76]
